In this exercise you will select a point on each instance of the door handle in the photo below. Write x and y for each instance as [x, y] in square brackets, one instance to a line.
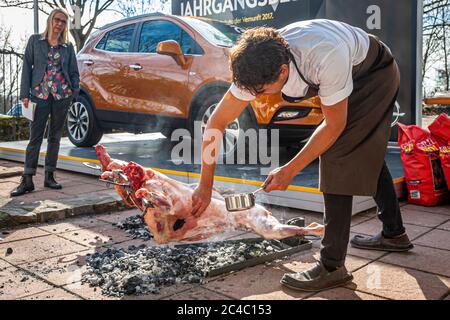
[88, 62]
[135, 66]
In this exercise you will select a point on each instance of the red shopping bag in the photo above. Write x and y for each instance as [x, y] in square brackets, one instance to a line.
[440, 130]
[422, 166]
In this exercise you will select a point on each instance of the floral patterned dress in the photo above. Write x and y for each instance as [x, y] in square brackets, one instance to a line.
[53, 82]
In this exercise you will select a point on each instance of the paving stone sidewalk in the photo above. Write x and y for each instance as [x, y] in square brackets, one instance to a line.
[45, 260]
[82, 194]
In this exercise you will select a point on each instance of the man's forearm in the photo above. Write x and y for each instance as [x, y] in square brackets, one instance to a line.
[321, 140]
[228, 109]
[207, 175]
[212, 140]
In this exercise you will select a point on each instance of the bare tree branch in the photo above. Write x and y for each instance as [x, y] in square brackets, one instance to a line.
[436, 28]
[89, 11]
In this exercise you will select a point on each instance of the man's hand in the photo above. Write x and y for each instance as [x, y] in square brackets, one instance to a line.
[321, 140]
[228, 109]
[201, 199]
[279, 179]
[25, 102]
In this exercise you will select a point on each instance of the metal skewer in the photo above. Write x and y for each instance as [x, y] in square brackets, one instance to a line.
[92, 166]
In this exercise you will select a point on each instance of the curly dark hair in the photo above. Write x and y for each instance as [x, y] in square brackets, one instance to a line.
[257, 57]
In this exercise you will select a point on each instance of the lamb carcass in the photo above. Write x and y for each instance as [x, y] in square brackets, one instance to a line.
[167, 206]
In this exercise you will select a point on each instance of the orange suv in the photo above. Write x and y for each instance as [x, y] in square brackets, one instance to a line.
[157, 72]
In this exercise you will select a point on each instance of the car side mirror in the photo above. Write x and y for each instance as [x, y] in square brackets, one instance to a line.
[173, 49]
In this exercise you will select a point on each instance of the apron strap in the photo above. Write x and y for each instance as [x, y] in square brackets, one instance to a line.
[312, 90]
[312, 85]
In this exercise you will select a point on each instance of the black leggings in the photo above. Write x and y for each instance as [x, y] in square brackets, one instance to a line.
[338, 215]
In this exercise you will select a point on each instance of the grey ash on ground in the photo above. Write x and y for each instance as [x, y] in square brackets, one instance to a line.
[144, 270]
[136, 227]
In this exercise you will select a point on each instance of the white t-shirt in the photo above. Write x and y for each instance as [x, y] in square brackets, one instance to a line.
[325, 52]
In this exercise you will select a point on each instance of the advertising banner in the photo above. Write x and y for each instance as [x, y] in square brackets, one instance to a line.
[397, 23]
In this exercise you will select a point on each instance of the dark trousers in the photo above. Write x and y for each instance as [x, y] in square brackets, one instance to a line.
[338, 215]
[57, 110]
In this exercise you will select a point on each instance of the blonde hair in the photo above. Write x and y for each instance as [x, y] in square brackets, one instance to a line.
[64, 36]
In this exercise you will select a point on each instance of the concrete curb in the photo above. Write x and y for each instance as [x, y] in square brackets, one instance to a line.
[14, 213]
[10, 172]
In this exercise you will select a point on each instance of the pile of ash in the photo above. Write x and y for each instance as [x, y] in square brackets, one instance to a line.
[144, 270]
[136, 227]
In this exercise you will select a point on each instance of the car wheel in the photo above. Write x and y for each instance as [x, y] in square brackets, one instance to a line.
[82, 127]
[233, 133]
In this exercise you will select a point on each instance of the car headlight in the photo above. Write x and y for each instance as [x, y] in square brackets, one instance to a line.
[291, 114]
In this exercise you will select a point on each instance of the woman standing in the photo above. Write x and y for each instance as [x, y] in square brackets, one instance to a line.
[50, 78]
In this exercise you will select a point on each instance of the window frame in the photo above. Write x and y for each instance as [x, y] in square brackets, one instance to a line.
[104, 36]
[107, 34]
[181, 26]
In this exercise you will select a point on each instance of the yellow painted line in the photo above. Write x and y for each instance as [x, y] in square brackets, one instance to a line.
[304, 189]
[59, 156]
[196, 175]
[258, 183]
[399, 180]
[75, 158]
[167, 171]
[12, 149]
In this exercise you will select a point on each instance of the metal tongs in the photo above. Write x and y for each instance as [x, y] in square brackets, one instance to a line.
[116, 173]
[127, 185]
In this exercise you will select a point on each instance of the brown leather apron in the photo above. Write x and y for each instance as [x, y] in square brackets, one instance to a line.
[353, 164]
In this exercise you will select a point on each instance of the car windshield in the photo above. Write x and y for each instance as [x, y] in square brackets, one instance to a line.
[218, 33]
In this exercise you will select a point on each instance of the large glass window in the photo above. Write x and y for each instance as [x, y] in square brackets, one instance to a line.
[119, 40]
[219, 33]
[153, 32]
[101, 44]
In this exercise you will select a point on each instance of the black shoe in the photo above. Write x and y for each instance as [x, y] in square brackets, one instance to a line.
[380, 242]
[317, 278]
[26, 185]
[50, 182]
